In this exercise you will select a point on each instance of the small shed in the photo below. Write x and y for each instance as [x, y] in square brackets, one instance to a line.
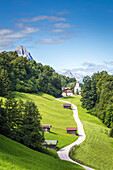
[46, 128]
[67, 105]
[71, 130]
[50, 144]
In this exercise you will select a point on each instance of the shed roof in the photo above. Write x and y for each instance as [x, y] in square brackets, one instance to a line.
[46, 126]
[69, 128]
[66, 104]
[50, 142]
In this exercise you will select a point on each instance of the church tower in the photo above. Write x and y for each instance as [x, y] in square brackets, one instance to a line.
[77, 87]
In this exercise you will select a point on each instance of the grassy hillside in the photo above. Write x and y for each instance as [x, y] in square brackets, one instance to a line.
[16, 156]
[54, 114]
[97, 149]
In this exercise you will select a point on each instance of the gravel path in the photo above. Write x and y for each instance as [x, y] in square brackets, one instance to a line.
[64, 152]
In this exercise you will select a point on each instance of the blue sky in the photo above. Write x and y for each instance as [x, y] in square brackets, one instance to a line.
[65, 34]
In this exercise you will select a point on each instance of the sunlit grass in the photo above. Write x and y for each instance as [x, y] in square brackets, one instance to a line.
[97, 150]
[15, 156]
[54, 114]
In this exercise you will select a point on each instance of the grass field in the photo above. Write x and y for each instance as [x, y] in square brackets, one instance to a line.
[15, 156]
[97, 150]
[54, 114]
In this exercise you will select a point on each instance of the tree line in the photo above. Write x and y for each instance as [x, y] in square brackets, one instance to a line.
[21, 122]
[97, 97]
[20, 74]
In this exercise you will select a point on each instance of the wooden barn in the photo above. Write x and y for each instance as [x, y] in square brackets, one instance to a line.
[71, 130]
[46, 128]
[50, 144]
[67, 105]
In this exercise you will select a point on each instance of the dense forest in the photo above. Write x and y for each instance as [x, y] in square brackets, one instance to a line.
[97, 96]
[20, 74]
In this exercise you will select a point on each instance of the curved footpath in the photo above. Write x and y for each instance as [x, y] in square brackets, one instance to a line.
[64, 152]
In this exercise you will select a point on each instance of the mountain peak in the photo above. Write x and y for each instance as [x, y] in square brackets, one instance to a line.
[21, 51]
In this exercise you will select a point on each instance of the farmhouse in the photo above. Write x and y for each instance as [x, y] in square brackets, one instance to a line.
[71, 130]
[46, 128]
[50, 144]
[67, 91]
[67, 106]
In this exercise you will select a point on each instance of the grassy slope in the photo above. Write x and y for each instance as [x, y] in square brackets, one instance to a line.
[54, 114]
[97, 149]
[16, 156]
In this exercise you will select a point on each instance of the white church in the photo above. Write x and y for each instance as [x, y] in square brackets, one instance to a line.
[77, 87]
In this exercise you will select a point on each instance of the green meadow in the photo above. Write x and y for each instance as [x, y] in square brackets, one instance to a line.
[53, 114]
[97, 149]
[15, 156]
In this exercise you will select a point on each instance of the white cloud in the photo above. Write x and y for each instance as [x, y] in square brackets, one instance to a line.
[43, 17]
[109, 63]
[51, 41]
[63, 25]
[57, 30]
[8, 37]
[63, 12]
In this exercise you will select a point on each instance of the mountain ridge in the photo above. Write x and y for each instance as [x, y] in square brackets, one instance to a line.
[70, 74]
[22, 51]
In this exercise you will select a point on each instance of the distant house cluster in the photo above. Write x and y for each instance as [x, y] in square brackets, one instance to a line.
[67, 91]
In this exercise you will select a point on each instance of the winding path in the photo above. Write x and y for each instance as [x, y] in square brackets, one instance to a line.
[64, 152]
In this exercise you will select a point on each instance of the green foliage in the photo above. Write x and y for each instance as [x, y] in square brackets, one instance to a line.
[77, 92]
[20, 74]
[21, 122]
[88, 93]
[97, 96]
[68, 82]
[111, 132]
[4, 82]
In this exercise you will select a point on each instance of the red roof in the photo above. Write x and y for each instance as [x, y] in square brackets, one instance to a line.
[69, 128]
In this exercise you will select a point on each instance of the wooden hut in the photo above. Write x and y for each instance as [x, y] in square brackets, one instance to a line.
[46, 128]
[50, 144]
[67, 105]
[71, 130]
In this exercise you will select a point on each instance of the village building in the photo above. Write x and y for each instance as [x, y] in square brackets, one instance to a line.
[71, 130]
[50, 144]
[77, 88]
[67, 91]
[46, 128]
[67, 105]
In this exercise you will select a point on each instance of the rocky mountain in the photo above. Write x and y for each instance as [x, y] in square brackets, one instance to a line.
[78, 77]
[68, 74]
[21, 51]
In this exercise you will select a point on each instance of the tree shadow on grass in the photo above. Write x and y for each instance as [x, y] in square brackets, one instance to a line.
[54, 133]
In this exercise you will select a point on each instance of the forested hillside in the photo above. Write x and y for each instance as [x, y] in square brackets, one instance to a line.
[20, 74]
[97, 96]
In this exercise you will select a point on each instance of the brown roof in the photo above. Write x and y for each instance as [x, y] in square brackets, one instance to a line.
[68, 128]
[46, 126]
[66, 104]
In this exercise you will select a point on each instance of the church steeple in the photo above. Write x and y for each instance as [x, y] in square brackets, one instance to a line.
[77, 87]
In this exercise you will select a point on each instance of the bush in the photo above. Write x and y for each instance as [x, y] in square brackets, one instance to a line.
[111, 132]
